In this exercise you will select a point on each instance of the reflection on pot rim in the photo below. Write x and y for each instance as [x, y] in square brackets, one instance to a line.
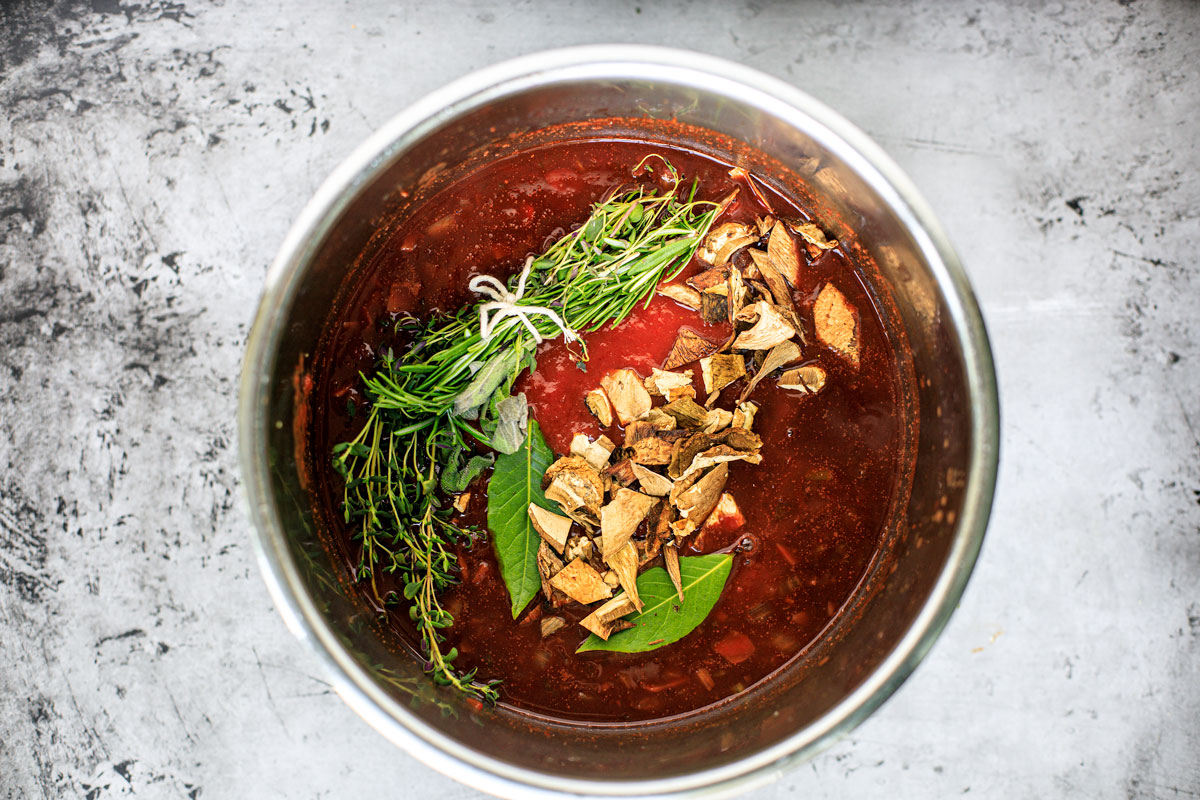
[768, 108]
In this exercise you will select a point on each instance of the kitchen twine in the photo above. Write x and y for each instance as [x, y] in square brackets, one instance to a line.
[504, 303]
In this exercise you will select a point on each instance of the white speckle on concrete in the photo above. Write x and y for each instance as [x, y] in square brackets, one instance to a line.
[152, 156]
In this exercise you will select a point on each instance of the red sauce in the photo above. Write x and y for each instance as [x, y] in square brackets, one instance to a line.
[815, 508]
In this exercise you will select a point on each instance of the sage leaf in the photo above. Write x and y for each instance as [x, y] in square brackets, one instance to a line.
[489, 377]
[663, 619]
[512, 416]
[515, 483]
[456, 476]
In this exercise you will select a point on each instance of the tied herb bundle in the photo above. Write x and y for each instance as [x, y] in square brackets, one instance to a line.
[452, 388]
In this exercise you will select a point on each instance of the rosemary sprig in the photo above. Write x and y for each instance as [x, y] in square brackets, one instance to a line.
[445, 390]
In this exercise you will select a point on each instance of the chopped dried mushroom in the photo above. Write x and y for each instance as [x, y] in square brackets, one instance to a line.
[686, 412]
[552, 625]
[574, 485]
[620, 518]
[714, 308]
[624, 562]
[723, 241]
[638, 430]
[606, 620]
[764, 224]
[597, 403]
[596, 453]
[814, 236]
[651, 482]
[717, 419]
[726, 515]
[735, 298]
[553, 528]
[698, 501]
[581, 582]
[660, 420]
[671, 560]
[721, 370]
[548, 566]
[743, 417]
[776, 284]
[684, 295]
[720, 454]
[628, 396]
[837, 323]
[770, 327]
[689, 346]
[808, 379]
[611, 579]
[620, 473]
[461, 502]
[663, 383]
[579, 546]
[780, 355]
[710, 279]
[782, 250]
[653, 451]
[737, 441]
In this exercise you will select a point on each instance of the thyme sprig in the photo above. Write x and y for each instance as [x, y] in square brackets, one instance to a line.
[447, 389]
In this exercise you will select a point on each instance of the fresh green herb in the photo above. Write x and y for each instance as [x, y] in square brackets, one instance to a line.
[515, 483]
[448, 390]
[664, 619]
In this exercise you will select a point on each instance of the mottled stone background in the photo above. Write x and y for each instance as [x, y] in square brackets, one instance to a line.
[153, 154]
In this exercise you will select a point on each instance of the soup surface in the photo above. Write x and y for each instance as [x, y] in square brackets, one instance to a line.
[815, 509]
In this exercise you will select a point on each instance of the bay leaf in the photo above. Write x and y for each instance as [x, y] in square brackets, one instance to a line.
[663, 618]
[515, 483]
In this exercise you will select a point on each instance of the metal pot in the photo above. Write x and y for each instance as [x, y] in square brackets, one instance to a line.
[931, 550]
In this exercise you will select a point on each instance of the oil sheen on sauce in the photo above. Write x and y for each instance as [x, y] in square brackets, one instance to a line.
[815, 508]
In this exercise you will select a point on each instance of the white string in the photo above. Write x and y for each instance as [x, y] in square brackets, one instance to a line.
[504, 303]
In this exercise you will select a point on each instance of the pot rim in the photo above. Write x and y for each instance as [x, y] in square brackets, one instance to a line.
[681, 68]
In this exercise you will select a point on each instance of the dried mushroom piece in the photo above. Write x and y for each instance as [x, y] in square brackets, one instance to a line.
[714, 309]
[596, 453]
[606, 620]
[764, 224]
[717, 420]
[689, 346]
[723, 241]
[771, 275]
[671, 385]
[808, 379]
[624, 562]
[743, 417]
[621, 517]
[686, 412]
[651, 482]
[735, 297]
[574, 485]
[638, 430]
[726, 516]
[619, 474]
[652, 451]
[553, 528]
[782, 250]
[837, 323]
[721, 454]
[660, 420]
[721, 370]
[461, 502]
[671, 561]
[548, 566]
[710, 280]
[601, 408]
[770, 327]
[684, 295]
[580, 546]
[814, 236]
[552, 625]
[628, 396]
[698, 501]
[581, 582]
[780, 355]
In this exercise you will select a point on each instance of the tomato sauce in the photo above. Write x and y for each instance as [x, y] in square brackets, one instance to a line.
[815, 509]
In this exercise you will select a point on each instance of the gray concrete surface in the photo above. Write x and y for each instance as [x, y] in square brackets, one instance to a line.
[152, 155]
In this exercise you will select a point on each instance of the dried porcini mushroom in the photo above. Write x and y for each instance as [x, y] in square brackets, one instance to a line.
[735, 297]
[597, 403]
[620, 518]
[721, 370]
[814, 236]
[721, 238]
[548, 566]
[714, 309]
[651, 482]
[808, 379]
[782, 250]
[686, 411]
[764, 224]
[770, 329]
[574, 484]
[780, 355]
[553, 528]
[594, 453]
[726, 515]
[671, 561]
[606, 620]
[689, 346]
[620, 473]
[628, 396]
[837, 323]
[624, 562]
[652, 450]
[743, 417]
[721, 454]
[684, 295]
[581, 582]
[777, 286]
[698, 501]
[552, 625]
[710, 279]
[661, 421]
[461, 502]
[663, 383]
[718, 419]
[638, 430]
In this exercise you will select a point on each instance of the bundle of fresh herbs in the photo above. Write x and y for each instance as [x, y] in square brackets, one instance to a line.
[451, 387]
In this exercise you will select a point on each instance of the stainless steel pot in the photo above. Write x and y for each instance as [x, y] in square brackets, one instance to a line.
[932, 551]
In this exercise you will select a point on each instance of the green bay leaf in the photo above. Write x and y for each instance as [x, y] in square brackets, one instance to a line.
[515, 483]
[664, 619]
